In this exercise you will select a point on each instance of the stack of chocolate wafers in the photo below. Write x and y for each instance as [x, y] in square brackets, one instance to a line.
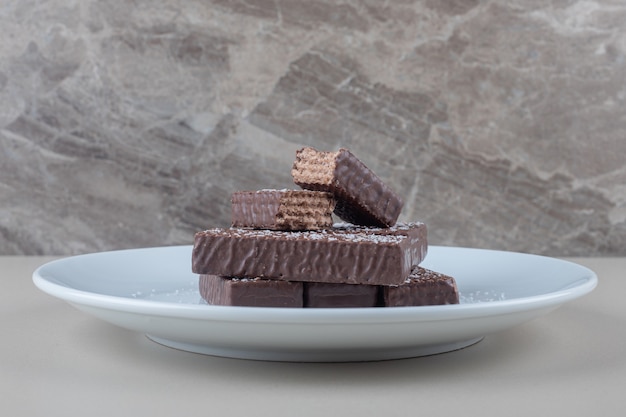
[284, 249]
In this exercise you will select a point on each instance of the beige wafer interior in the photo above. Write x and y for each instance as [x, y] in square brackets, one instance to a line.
[314, 167]
[305, 210]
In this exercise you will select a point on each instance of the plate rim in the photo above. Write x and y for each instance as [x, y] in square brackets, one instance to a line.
[319, 315]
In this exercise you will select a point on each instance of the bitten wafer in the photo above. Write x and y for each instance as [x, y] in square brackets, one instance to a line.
[282, 209]
[362, 197]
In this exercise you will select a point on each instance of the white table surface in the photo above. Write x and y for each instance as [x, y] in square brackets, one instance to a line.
[58, 361]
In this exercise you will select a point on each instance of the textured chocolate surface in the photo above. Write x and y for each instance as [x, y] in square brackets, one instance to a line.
[345, 254]
[282, 209]
[250, 292]
[318, 294]
[362, 197]
[422, 287]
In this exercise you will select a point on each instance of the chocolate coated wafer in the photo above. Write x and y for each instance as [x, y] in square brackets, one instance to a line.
[362, 197]
[422, 287]
[344, 254]
[250, 292]
[321, 294]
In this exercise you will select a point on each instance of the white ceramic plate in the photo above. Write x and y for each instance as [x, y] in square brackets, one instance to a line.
[154, 292]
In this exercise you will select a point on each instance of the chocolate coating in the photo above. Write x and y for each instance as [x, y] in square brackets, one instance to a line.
[248, 292]
[344, 254]
[317, 294]
[423, 287]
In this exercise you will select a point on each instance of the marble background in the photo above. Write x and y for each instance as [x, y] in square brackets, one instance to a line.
[129, 123]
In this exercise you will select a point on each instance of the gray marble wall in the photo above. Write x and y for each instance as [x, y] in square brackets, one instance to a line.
[129, 123]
